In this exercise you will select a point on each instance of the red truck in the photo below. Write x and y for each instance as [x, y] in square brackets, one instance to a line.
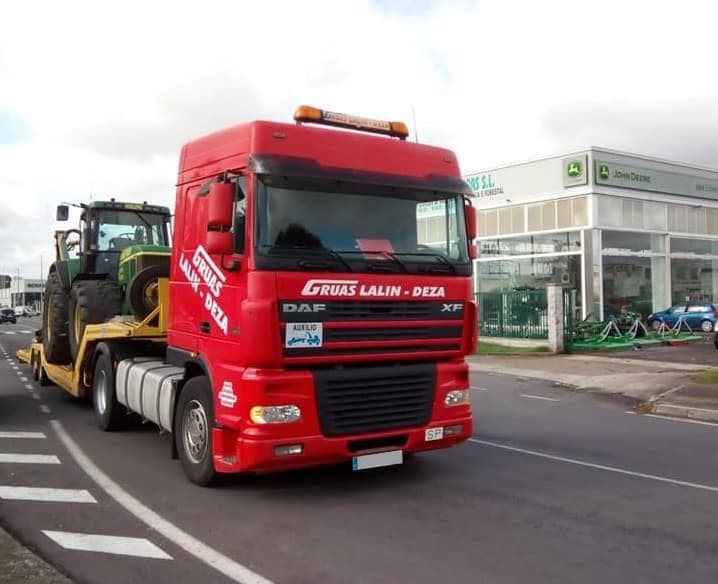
[319, 305]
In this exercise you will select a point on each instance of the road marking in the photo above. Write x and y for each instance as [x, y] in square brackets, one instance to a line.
[26, 332]
[29, 458]
[674, 419]
[615, 469]
[49, 495]
[233, 570]
[28, 386]
[23, 379]
[528, 395]
[9, 332]
[44, 409]
[107, 544]
[480, 388]
[35, 396]
[5, 434]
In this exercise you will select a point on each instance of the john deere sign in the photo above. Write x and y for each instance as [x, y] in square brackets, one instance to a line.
[574, 171]
[647, 179]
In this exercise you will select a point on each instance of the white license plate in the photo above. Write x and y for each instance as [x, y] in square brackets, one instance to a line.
[431, 434]
[376, 460]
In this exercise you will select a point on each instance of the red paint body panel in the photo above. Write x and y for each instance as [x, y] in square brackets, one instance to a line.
[240, 306]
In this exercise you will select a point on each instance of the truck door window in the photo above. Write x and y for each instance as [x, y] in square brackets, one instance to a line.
[240, 213]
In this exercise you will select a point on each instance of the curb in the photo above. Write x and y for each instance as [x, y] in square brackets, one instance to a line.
[703, 414]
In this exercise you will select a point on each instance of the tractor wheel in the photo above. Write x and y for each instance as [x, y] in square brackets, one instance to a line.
[55, 341]
[91, 302]
[143, 291]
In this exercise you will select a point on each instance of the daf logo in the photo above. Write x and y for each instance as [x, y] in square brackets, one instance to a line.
[303, 307]
[452, 307]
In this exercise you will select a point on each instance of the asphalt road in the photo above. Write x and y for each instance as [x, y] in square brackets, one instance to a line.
[557, 486]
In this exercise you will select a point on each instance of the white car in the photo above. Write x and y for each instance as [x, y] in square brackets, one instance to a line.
[22, 311]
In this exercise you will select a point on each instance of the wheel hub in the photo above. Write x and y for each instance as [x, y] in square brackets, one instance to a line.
[195, 431]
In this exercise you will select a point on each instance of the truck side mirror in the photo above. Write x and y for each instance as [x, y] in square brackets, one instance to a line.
[220, 205]
[62, 213]
[219, 242]
[470, 221]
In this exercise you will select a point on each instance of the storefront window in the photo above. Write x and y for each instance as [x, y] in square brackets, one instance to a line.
[529, 273]
[694, 270]
[532, 244]
[634, 272]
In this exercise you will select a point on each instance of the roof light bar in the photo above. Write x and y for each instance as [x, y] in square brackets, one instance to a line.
[308, 114]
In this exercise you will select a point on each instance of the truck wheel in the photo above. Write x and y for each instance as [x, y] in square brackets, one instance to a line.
[193, 423]
[55, 340]
[91, 302]
[143, 290]
[109, 413]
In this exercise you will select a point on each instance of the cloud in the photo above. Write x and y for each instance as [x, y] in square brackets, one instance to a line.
[679, 130]
[108, 96]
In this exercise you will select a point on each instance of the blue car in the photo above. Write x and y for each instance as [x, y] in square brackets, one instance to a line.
[698, 315]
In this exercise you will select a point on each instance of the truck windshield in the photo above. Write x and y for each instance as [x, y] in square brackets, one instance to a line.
[359, 227]
[120, 229]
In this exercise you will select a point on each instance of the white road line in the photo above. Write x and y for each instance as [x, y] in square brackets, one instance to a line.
[28, 386]
[44, 409]
[108, 544]
[9, 332]
[23, 379]
[26, 332]
[35, 396]
[48, 495]
[233, 570]
[480, 388]
[674, 419]
[7, 434]
[528, 395]
[29, 458]
[615, 469]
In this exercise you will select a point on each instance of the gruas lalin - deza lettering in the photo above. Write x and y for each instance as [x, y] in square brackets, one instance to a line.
[315, 306]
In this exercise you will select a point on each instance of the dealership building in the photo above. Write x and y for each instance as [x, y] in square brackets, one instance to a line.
[628, 232]
[19, 291]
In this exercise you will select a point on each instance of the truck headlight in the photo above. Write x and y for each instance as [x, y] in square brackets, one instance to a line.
[457, 397]
[275, 414]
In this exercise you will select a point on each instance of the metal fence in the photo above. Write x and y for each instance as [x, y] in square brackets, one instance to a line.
[517, 314]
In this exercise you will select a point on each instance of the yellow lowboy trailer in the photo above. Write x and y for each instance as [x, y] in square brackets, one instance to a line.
[76, 377]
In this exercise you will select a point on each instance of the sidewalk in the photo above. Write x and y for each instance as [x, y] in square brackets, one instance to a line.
[19, 564]
[655, 386]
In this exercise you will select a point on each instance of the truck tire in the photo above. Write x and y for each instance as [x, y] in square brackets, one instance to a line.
[143, 290]
[91, 302]
[110, 414]
[193, 422]
[55, 341]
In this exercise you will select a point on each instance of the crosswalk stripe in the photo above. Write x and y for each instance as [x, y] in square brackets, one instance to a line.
[108, 544]
[9, 332]
[44, 494]
[6, 434]
[28, 458]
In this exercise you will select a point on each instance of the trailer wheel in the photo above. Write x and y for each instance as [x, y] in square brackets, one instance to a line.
[143, 290]
[193, 431]
[42, 377]
[35, 364]
[91, 302]
[110, 413]
[55, 341]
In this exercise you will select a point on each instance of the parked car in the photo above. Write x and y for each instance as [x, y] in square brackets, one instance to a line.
[7, 315]
[698, 315]
[22, 311]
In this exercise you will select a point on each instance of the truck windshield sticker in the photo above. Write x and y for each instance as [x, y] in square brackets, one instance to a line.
[352, 289]
[202, 270]
[304, 335]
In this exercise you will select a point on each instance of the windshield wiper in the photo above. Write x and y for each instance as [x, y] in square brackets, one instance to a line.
[310, 263]
[444, 261]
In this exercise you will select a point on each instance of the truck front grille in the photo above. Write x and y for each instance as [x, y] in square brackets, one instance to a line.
[356, 400]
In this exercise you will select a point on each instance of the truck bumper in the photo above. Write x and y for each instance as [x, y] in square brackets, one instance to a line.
[234, 454]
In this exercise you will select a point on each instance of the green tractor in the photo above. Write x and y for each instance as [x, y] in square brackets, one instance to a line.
[109, 266]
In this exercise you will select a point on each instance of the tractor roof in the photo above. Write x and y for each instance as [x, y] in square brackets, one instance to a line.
[144, 207]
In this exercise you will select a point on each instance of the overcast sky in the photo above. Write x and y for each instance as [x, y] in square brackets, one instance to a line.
[96, 98]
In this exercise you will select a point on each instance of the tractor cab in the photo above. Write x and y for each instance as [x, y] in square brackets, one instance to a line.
[110, 266]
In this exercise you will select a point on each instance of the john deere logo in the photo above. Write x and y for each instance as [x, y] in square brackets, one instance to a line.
[603, 172]
[574, 169]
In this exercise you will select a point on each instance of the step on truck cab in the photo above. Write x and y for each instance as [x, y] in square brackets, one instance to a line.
[319, 306]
